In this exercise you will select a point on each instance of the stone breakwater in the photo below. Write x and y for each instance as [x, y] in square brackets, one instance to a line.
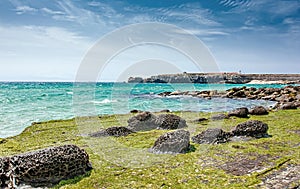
[287, 97]
[43, 167]
[234, 78]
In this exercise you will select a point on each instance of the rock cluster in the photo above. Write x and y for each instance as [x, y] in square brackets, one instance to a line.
[147, 121]
[252, 128]
[287, 97]
[43, 167]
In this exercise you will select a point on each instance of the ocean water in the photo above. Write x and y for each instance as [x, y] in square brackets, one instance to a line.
[22, 103]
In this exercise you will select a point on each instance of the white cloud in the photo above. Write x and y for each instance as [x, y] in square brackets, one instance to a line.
[24, 9]
[49, 11]
[204, 32]
[189, 13]
[40, 53]
[77, 14]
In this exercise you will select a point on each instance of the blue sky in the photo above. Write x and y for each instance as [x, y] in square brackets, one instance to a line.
[47, 40]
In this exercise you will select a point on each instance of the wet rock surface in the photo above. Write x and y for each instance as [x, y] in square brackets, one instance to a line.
[44, 167]
[172, 143]
[112, 131]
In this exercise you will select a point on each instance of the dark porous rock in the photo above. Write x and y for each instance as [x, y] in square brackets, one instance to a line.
[172, 143]
[253, 128]
[144, 121]
[211, 136]
[134, 111]
[288, 106]
[167, 93]
[4, 173]
[165, 110]
[170, 121]
[112, 131]
[44, 167]
[219, 117]
[199, 120]
[258, 110]
[239, 112]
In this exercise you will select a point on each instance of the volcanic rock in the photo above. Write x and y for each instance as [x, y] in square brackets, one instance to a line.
[253, 128]
[258, 110]
[44, 167]
[211, 136]
[172, 142]
[240, 112]
[144, 121]
[112, 131]
[170, 121]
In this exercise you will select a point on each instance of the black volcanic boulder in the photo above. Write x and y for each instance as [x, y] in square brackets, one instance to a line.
[211, 136]
[219, 117]
[253, 128]
[172, 142]
[144, 121]
[44, 167]
[258, 110]
[239, 112]
[112, 131]
[170, 121]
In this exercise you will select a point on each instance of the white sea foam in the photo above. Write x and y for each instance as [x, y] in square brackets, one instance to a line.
[105, 101]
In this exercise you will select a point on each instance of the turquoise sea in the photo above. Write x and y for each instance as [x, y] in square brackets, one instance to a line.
[22, 103]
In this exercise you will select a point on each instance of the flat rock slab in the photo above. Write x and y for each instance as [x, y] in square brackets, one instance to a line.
[285, 177]
[44, 167]
[172, 143]
[148, 121]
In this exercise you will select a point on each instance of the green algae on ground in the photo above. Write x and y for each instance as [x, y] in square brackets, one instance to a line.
[240, 164]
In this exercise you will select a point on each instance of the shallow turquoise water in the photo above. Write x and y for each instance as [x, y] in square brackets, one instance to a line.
[22, 103]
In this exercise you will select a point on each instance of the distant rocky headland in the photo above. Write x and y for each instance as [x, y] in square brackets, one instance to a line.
[222, 77]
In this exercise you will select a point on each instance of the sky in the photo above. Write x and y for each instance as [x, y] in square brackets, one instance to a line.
[42, 40]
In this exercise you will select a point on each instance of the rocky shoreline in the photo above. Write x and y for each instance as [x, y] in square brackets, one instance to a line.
[225, 77]
[287, 97]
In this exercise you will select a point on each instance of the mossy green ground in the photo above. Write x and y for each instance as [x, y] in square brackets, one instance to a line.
[125, 162]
